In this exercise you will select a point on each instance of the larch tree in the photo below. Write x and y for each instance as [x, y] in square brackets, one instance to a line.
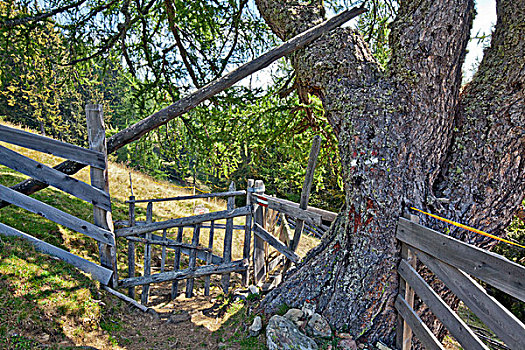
[409, 136]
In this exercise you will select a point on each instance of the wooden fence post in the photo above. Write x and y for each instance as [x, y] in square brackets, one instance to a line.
[147, 255]
[131, 246]
[100, 180]
[259, 265]
[404, 333]
[228, 237]
[247, 234]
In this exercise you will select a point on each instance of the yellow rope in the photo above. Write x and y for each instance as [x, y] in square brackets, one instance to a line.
[468, 228]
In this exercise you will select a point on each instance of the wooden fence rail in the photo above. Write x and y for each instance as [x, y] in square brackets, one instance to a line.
[452, 261]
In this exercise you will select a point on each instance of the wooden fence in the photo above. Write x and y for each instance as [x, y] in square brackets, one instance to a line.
[267, 217]
[97, 193]
[456, 264]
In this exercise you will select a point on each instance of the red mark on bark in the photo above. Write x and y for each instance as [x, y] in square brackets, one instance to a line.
[368, 221]
[354, 154]
[337, 247]
[357, 222]
[374, 153]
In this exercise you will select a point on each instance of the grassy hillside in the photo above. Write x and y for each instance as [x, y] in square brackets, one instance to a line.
[45, 301]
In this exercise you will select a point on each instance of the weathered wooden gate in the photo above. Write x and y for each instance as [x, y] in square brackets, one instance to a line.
[97, 193]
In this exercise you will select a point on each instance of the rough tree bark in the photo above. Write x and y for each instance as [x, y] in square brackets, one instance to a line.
[407, 137]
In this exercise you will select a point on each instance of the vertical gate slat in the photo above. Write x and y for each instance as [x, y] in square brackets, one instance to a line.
[163, 257]
[193, 260]
[176, 264]
[131, 247]
[228, 237]
[209, 258]
[147, 255]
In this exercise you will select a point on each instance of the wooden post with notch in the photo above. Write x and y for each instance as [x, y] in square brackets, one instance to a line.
[207, 279]
[176, 264]
[247, 234]
[99, 179]
[228, 237]
[192, 262]
[259, 266]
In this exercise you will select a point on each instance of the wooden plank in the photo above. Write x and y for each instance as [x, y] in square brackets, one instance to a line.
[97, 272]
[176, 263]
[223, 227]
[163, 254]
[494, 315]
[56, 215]
[325, 214]
[192, 260]
[235, 266]
[274, 242]
[144, 296]
[184, 105]
[247, 234]
[307, 186]
[51, 146]
[459, 330]
[425, 336]
[186, 221]
[127, 299]
[291, 210]
[259, 263]
[164, 242]
[131, 247]
[228, 237]
[54, 178]
[408, 295]
[100, 179]
[207, 279]
[201, 254]
[196, 196]
[489, 267]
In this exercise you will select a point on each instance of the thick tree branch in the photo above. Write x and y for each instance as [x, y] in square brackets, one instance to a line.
[11, 23]
[185, 104]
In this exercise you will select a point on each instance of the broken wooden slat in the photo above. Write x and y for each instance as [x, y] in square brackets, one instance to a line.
[186, 221]
[274, 242]
[259, 264]
[192, 260]
[50, 146]
[294, 211]
[55, 178]
[97, 272]
[235, 266]
[56, 215]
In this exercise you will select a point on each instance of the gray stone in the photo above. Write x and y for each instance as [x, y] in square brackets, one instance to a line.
[253, 289]
[282, 334]
[347, 344]
[308, 309]
[256, 326]
[294, 315]
[319, 327]
[382, 346]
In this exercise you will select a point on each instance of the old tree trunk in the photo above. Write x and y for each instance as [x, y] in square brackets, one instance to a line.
[408, 136]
